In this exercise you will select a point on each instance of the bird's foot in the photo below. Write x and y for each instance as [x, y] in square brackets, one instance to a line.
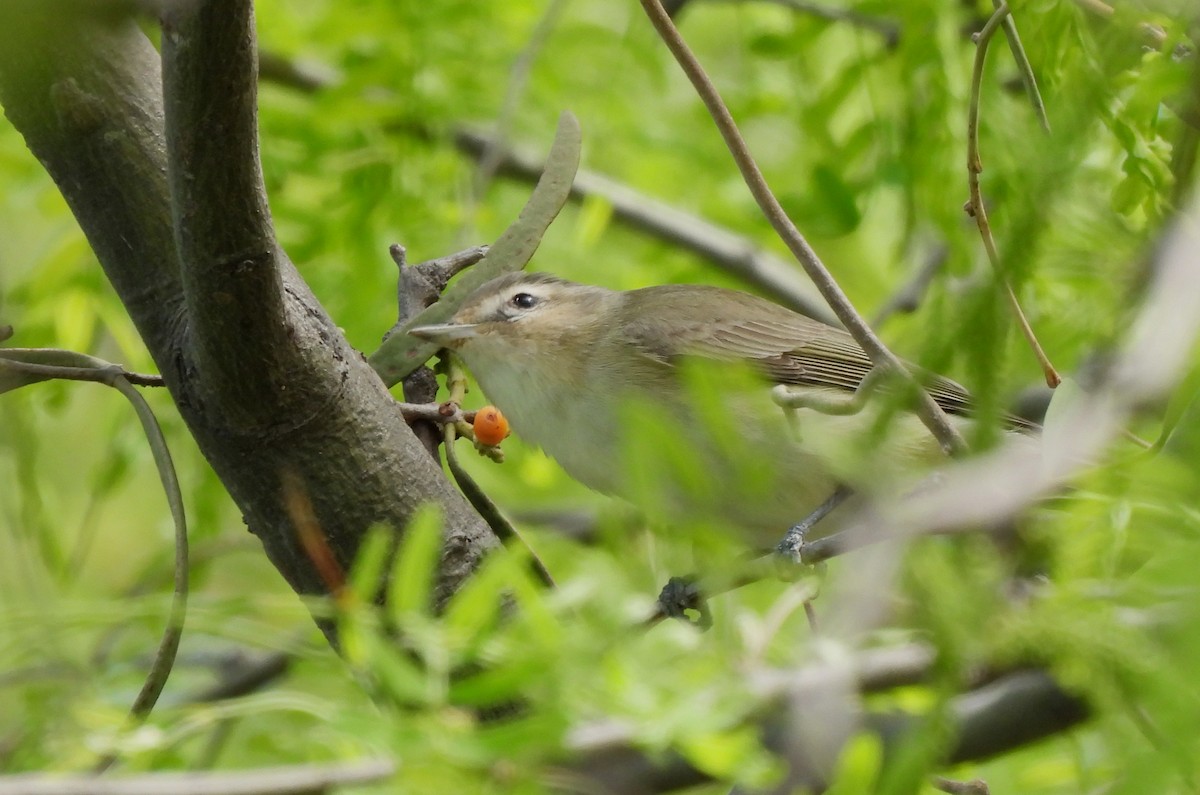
[794, 549]
[682, 598]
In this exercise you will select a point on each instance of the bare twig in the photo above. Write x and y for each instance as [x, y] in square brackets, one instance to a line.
[1024, 67]
[417, 288]
[440, 413]
[973, 787]
[30, 365]
[421, 285]
[243, 677]
[21, 367]
[933, 417]
[300, 75]
[457, 383]
[975, 205]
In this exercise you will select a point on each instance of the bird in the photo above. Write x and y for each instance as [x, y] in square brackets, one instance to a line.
[693, 401]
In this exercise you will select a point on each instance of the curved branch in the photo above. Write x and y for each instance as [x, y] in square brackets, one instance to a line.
[975, 206]
[20, 367]
[230, 262]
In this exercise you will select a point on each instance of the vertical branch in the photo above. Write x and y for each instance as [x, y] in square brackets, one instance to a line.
[1023, 66]
[975, 205]
[231, 265]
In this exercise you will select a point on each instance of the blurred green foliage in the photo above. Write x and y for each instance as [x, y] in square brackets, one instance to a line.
[865, 144]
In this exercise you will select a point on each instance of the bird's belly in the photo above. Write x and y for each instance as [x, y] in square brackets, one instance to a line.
[679, 468]
[574, 433]
[744, 469]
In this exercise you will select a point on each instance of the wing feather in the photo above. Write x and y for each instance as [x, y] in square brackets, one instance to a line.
[786, 347]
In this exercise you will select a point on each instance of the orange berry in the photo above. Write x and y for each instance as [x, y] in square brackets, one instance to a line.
[490, 426]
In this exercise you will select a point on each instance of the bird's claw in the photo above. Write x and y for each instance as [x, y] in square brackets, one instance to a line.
[681, 597]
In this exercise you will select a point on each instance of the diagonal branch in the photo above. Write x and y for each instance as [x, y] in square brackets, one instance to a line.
[734, 253]
[934, 418]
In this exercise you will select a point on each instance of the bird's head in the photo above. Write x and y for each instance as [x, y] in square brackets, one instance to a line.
[523, 315]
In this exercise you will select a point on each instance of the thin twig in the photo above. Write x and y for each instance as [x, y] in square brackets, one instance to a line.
[304, 76]
[456, 384]
[734, 253]
[60, 364]
[1024, 67]
[16, 359]
[244, 677]
[973, 787]
[417, 288]
[933, 417]
[975, 205]
[448, 412]
[421, 285]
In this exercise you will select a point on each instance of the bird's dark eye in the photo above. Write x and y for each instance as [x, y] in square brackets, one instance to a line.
[523, 300]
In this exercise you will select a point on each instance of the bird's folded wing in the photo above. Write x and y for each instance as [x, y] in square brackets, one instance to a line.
[785, 347]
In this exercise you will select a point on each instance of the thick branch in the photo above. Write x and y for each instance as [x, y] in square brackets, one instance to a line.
[83, 91]
[85, 95]
[229, 258]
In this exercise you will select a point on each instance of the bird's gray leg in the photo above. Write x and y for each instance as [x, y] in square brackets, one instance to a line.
[793, 541]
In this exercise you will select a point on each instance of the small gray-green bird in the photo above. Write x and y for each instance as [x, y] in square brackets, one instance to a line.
[657, 395]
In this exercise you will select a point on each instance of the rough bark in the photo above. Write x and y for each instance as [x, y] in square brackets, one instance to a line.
[266, 383]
